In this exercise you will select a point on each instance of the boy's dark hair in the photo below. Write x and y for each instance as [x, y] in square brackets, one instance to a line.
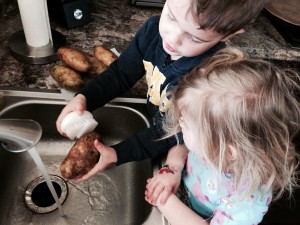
[225, 16]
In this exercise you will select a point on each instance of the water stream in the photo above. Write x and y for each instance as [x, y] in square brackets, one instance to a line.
[39, 163]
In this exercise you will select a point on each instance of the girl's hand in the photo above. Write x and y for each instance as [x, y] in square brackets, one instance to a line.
[108, 156]
[165, 182]
[78, 103]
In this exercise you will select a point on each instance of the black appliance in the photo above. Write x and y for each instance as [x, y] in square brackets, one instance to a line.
[290, 32]
[69, 13]
[285, 16]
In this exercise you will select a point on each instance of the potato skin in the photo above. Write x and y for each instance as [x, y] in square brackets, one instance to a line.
[104, 54]
[74, 58]
[96, 68]
[67, 77]
[82, 157]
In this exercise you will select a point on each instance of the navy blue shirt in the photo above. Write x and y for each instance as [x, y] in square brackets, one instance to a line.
[144, 56]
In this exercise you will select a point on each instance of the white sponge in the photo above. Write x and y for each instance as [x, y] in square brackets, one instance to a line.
[75, 125]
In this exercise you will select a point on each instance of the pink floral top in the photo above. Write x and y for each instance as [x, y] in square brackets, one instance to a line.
[222, 205]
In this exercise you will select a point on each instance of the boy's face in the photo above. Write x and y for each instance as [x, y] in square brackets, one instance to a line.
[181, 35]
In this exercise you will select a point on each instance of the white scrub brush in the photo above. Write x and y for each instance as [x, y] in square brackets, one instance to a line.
[74, 125]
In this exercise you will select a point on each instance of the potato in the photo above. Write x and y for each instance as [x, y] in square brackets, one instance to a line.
[67, 78]
[74, 58]
[82, 157]
[97, 66]
[104, 54]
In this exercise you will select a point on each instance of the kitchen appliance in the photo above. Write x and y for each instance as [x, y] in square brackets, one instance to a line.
[285, 16]
[70, 13]
[153, 3]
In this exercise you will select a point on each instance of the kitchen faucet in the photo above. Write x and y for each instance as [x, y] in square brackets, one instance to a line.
[19, 135]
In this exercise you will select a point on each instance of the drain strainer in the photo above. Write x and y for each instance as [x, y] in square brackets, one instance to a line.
[38, 197]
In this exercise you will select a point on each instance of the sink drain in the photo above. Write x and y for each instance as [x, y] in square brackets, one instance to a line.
[38, 197]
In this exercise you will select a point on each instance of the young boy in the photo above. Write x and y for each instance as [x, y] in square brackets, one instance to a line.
[164, 49]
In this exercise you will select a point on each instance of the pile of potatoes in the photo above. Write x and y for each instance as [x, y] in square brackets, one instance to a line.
[78, 64]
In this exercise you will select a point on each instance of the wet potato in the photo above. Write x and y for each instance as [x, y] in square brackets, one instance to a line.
[82, 157]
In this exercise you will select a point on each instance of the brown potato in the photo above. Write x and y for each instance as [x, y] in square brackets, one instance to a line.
[97, 66]
[67, 78]
[104, 54]
[82, 157]
[74, 58]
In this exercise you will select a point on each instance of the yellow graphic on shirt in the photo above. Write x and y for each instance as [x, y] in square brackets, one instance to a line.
[155, 79]
[165, 102]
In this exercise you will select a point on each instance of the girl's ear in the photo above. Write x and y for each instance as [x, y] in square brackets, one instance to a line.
[231, 153]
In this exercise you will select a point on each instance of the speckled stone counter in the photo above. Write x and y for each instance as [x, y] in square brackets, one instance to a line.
[114, 23]
[261, 40]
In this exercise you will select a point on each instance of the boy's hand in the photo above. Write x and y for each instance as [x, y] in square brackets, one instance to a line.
[108, 156]
[165, 182]
[78, 104]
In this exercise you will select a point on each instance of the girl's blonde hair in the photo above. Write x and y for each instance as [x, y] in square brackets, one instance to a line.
[248, 104]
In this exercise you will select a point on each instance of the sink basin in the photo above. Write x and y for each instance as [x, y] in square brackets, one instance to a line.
[114, 196]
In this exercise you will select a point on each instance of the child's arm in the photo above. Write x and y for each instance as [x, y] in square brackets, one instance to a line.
[177, 157]
[177, 213]
[167, 180]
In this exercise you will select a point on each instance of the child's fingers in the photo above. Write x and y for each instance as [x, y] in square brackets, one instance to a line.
[149, 180]
[149, 200]
[151, 185]
[156, 192]
[76, 104]
[165, 195]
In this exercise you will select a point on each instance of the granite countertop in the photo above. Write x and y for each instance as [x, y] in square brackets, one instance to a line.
[113, 24]
[262, 40]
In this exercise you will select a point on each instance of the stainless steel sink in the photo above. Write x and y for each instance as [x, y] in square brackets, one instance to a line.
[114, 196]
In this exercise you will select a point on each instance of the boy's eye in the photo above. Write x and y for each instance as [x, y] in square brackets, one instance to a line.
[194, 40]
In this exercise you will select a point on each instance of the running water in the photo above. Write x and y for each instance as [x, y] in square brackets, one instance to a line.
[39, 163]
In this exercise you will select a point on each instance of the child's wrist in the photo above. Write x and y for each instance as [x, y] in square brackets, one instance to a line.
[169, 169]
[178, 166]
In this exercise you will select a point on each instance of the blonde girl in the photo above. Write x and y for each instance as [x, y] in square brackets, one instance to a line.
[238, 117]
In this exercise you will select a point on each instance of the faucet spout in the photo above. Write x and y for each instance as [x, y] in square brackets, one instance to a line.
[19, 135]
